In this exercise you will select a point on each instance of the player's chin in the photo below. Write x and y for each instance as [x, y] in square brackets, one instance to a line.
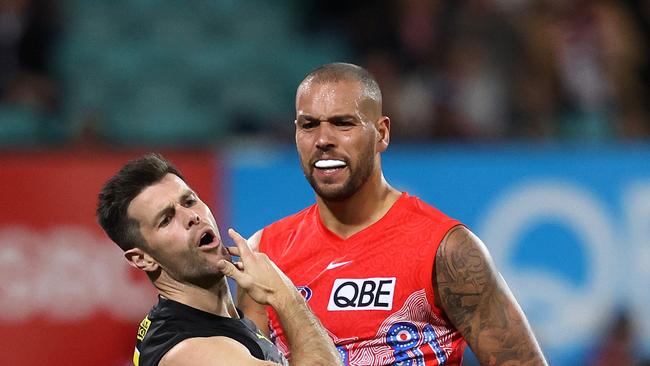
[329, 181]
[333, 193]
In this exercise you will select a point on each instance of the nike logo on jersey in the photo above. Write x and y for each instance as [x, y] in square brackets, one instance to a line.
[333, 265]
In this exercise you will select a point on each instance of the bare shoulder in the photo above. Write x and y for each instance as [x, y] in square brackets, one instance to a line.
[210, 351]
[479, 303]
[254, 240]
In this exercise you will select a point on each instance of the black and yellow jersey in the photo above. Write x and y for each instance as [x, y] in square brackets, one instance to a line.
[170, 322]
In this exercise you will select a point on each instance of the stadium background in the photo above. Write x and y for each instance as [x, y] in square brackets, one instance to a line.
[526, 119]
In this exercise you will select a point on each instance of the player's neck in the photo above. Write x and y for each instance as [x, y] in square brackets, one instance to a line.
[215, 299]
[367, 206]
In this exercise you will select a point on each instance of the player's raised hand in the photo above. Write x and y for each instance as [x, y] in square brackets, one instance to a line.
[256, 273]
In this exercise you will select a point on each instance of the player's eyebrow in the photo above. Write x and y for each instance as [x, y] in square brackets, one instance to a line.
[170, 210]
[342, 118]
[334, 118]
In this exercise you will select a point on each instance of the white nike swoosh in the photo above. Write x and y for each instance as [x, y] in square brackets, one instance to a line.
[333, 265]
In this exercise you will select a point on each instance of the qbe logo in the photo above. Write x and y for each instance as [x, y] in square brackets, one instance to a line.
[362, 294]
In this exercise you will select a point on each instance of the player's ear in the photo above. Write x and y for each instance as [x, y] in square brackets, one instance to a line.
[139, 259]
[383, 133]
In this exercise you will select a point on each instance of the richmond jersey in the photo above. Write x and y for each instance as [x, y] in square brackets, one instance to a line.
[170, 322]
[373, 292]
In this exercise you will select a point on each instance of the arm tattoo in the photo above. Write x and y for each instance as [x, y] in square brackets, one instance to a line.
[479, 303]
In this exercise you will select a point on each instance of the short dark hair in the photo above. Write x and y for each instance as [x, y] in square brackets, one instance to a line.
[121, 189]
[341, 71]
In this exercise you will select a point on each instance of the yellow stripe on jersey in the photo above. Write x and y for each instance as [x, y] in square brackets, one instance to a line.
[136, 357]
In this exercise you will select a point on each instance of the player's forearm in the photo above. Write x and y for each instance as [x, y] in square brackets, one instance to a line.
[308, 340]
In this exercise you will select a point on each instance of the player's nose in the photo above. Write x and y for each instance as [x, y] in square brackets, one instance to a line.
[326, 137]
[191, 217]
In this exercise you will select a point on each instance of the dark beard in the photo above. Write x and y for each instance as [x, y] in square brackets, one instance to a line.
[205, 280]
[198, 272]
[358, 177]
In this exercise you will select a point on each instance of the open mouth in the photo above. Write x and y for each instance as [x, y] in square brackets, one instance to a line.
[206, 239]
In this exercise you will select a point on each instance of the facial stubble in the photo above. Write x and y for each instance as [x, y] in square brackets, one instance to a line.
[360, 172]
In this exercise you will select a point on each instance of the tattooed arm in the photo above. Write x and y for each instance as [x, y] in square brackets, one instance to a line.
[479, 303]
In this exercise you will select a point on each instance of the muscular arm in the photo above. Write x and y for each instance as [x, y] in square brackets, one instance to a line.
[253, 310]
[479, 303]
[310, 345]
[266, 284]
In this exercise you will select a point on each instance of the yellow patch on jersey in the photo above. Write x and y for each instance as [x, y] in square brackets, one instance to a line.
[136, 357]
[143, 328]
[261, 336]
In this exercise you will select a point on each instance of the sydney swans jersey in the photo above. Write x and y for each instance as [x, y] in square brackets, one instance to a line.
[170, 322]
[373, 292]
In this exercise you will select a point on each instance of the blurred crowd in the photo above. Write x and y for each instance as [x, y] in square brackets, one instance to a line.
[29, 90]
[474, 70]
[27, 35]
[503, 69]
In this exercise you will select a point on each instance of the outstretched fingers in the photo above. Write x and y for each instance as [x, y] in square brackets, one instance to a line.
[233, 251]
[244, 251]
[236, 270]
